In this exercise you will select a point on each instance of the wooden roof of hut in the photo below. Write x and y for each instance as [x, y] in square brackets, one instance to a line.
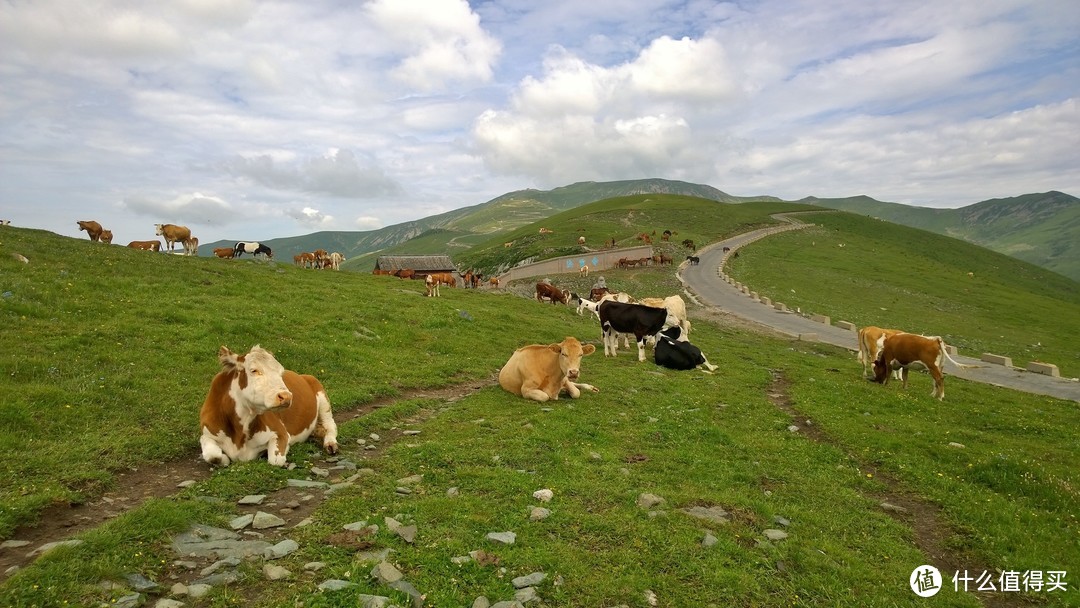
[419, 263]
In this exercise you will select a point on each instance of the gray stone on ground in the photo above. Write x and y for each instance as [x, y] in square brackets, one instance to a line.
[197, 590]
[411, 480]
[539, 513]
[715, 514]
[373, 601]
[529, 580]
[508, 604]
[774, 534]
[130, 600]
[227, 562]
[526, 595]
[355, 526]
[891, 508]
[452, 492]
[314, 566]
[646, 500]
[481, 602]
[273, 572]
[335, 585]
[407, 588]
[168, 603]
[14, 544]
[709, 540]
[220, 578]
[252, 499]
[264, 520]
[304, 483]
[239, 523]
[281, 549]
[783, 521]
[407, 533]
[385, 573]
[140, 583]
[50, 546]
[376, 555]
[506, 538]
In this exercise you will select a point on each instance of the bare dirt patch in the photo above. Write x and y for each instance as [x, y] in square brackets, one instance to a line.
[135, 486]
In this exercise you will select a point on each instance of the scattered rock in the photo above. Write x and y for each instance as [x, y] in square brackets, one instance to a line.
[386, 573]
[953, 444]
[374, 437]
[140, 583]
[14, 544]
[242, 522]
[281, 549]
[355, 526]
[595, 456]
[782, 521]
[186, 483]
[252, 499]
[334, 585]
[316, 471]
[314, 566]
[373, 556]
[544, 495]
[452, 492]
[304, 483]
[709, 540]
[891, 508]
[411, 480]
[168, 603]
[129, 601]
[650, 598]
[50, 546]
[505, 538]
[773, 534]
[264, 520]
[793, 428]
[460, 560]
[526, 595]
[529, 580]
[648, 501]
[481, 602]
[198, 590]
[715, 514]
[228, 562]
[410, 432]
[539, 514]
[274, 572]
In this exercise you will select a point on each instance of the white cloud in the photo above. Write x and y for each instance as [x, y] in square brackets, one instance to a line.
[189, 207]
[367, 222]
[311, 218]
[441, 40]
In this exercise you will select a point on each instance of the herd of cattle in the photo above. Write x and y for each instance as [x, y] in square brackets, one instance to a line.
[254, 405]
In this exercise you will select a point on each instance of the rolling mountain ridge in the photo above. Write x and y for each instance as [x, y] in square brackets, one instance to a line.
[1041, 228]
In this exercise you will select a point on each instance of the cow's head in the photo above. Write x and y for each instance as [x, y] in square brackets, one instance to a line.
[158, 229]
[258, 382]
[570, 352]
[881, 369]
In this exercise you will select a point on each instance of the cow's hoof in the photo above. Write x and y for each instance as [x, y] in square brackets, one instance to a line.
[331, 448]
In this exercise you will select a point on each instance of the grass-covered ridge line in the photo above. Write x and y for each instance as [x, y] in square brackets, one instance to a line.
[107, 354]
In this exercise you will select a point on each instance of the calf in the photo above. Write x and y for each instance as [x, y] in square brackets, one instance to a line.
[672, 351]
[550, 292]
[432, 285]
[106, 236]
[255, 405]
[335, 260]
[223, 252]
[901, 351]
[540, 372]
[642, 321]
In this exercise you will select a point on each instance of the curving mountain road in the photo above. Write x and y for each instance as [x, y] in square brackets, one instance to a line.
[707, 285]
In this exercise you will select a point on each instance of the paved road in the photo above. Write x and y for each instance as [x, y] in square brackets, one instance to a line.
[705, 281]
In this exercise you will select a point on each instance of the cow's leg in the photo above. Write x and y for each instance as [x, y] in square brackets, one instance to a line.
[211, 450]
[326, 426]
[277, 449]
[640, 347]
[610, 339]
[939, 382]
[532, 391]
[904, 376]
[575, 388]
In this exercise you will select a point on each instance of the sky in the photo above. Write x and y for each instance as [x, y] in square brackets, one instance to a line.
[251, 120]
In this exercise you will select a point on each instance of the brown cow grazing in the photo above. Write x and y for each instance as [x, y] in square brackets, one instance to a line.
[540, 372]
[106, 237]
[405, 273]
[223, 252]
[550, 292]
[335, 260]
[901, 351]
[869, 348]
[92, 228]
[255, 405]
[173, 234]
[494, 282]
[191, 246]
[145, 245]
[378, 272]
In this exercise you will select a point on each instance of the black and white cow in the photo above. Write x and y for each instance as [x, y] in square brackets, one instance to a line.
[642, 321]
[252, 247]
[672, 351]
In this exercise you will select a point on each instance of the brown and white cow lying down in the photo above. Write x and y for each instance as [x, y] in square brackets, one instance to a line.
[255, 405]
[901, 351]
[540, 372]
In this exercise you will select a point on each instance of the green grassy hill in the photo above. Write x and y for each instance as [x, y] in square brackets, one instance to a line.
[1043, 229]
[107, 353]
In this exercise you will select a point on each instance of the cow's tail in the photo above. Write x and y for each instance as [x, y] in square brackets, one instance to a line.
[945, 355]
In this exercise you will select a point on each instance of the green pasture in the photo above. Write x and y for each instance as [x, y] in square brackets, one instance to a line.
[107, 353]
[870, 272]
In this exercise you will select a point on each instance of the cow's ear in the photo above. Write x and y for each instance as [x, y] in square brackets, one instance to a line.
[227, 357]
[555, 348]
[588, 349]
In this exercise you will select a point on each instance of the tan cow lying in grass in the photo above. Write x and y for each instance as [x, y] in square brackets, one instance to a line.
[540, 372]
[255, 405]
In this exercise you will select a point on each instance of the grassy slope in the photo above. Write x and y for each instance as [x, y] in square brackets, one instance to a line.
[622, 219]
[97, 333]
[894, 276]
